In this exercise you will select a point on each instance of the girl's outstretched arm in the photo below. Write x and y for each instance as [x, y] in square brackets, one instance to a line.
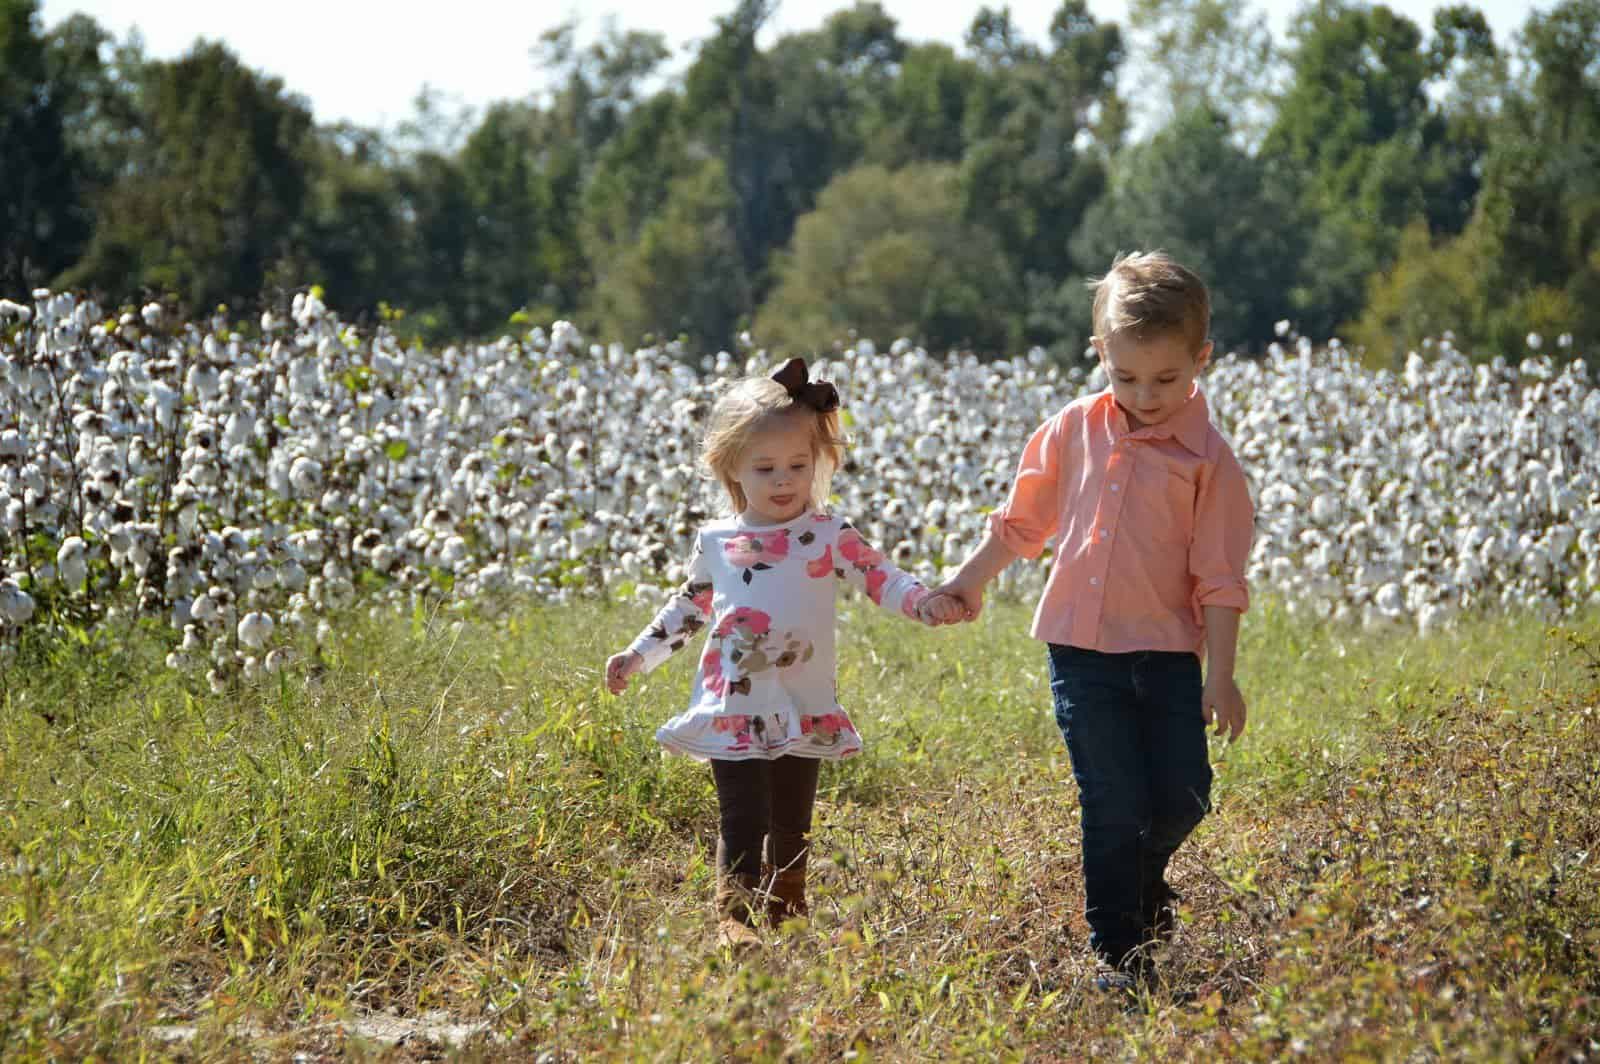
[686, 612]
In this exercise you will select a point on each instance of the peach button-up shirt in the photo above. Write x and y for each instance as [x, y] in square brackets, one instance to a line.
[1150, 526]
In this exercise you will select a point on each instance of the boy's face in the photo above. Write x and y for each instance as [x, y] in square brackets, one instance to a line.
[1151, 378]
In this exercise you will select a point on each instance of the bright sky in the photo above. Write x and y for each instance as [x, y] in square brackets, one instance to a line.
[365, 60]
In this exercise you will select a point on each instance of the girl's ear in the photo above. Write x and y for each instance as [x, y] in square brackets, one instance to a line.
[1203, 359]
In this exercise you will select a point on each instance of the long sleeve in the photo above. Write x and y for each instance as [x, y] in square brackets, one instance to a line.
[1032, 511]
[865, 568]
[1224, 525]
[686, 612]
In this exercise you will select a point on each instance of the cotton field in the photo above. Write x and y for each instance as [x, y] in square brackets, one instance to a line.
[245, 483]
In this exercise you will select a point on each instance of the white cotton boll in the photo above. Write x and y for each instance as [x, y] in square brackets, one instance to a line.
[72, 564]
[217, 682]
[454, 553]
[152, 314]
[305, 476]
[204, 381]
[1390, 599]
[16, 605]
[205, 609]
[1324, 509]
[291, 575]
[163, 403]
[255, 629]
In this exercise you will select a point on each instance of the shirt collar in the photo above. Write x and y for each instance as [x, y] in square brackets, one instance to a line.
[1190, 426]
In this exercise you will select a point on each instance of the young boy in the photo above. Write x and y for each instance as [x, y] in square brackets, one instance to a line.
[1153, 521]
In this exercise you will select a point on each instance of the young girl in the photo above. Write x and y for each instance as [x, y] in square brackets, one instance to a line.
[1152, 521]
[764, 709]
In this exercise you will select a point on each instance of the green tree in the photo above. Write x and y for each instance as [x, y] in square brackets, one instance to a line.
[685, 275]
[1203, 53]
[1193, 191]
[43, 219]
[1040, 129]
[920, 114]
[1529, 260]
[352, 237]
[888, 254]
[217, 182]
[1357, 132]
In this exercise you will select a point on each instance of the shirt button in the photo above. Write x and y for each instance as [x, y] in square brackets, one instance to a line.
[1094, 580]
[1103, 533]
[1116, 487]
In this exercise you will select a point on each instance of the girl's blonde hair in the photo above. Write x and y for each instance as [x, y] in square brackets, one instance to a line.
[752, 406]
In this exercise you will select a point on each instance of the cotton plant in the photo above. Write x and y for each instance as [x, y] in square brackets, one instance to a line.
[246, 486]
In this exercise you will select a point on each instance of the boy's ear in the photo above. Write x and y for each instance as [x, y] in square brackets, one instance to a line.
[1203, 359]
[1099, 346]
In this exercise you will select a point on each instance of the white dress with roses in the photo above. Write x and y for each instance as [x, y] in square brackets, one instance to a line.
[766, 687]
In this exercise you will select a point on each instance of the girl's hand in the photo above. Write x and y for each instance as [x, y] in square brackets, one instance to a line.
[969, 594]
[1222, 704]
[939, 609]
[621, 666]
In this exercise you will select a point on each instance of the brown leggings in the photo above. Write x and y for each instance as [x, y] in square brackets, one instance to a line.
[759, 798]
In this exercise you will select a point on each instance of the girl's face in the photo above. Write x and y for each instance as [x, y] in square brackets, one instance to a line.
[775, 472]
[1151, 379]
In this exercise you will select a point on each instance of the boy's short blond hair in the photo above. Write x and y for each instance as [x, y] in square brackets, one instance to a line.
[1147, 294]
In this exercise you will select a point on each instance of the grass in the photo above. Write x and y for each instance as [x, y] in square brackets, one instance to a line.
[454, 817]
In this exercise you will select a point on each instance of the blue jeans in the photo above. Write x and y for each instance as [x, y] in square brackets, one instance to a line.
[1138, 745]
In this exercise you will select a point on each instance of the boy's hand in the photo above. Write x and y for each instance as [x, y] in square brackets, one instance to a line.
[621, 666]
[939, 609]
[1222, 704]
[970, 595]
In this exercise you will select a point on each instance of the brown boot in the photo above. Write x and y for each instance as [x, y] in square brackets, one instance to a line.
[788, 899]
[736, 893]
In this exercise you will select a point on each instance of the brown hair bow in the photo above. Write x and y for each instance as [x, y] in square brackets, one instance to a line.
[820, 396]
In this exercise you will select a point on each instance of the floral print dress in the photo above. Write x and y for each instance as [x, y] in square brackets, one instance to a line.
[766, 686]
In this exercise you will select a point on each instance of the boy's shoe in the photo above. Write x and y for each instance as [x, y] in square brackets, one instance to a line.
[1133, 980]
[1160, 913]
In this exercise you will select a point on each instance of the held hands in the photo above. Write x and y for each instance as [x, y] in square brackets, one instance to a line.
[939, 608]
[619, 667]
[967, 595]
[1222, 704]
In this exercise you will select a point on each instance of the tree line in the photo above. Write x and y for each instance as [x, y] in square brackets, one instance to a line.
[1365, 178]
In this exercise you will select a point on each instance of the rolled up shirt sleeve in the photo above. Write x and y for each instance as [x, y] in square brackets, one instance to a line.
[1032, 511]
[1224, 528]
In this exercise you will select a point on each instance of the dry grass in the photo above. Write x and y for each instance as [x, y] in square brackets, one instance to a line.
[447, 829]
